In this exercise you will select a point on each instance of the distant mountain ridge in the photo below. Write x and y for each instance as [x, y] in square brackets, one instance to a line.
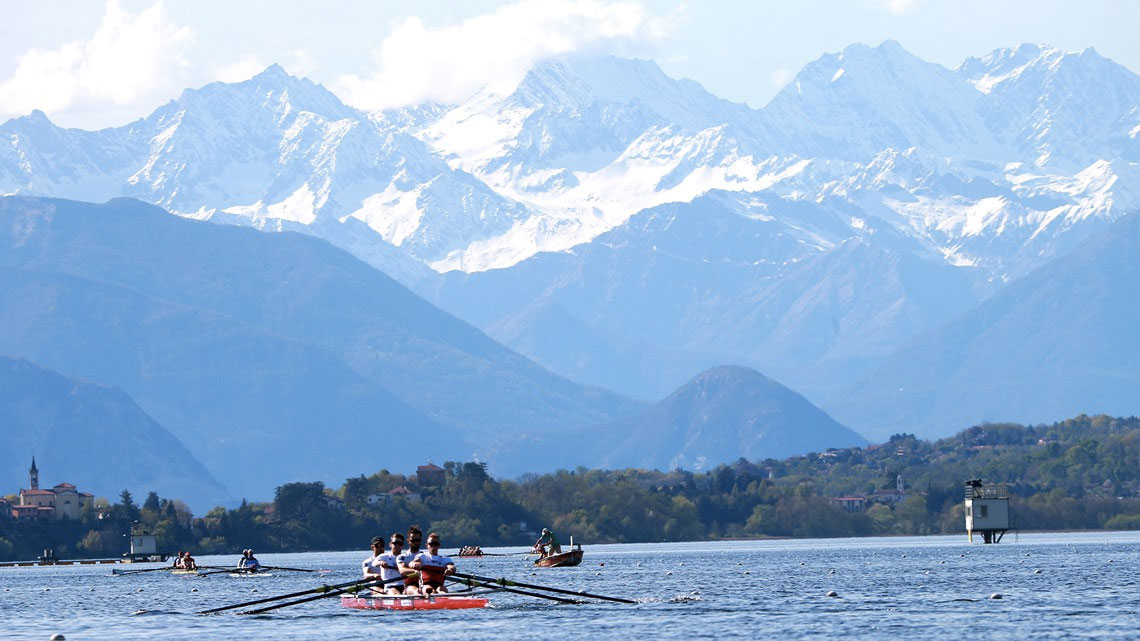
[1068, 328]
[604, 196]
[723, 413]
[277, 346]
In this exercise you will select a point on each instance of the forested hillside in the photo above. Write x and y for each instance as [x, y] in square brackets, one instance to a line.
[1083, 473]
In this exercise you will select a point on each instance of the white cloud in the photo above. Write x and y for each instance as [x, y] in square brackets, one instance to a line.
[131, 62]
[417, 62]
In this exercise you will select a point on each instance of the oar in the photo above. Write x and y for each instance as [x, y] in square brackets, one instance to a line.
[324, 589]
[355, 589]
[274, 567]
[225, 571]
[475, 582]
[506, 582]
[118, 572]
[307, 599]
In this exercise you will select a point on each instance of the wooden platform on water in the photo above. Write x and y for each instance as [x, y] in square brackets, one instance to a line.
[25, 564]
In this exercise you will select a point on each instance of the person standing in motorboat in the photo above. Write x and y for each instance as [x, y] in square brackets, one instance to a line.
[547, 538]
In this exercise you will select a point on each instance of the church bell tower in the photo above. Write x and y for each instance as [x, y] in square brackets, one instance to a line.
[34, 476]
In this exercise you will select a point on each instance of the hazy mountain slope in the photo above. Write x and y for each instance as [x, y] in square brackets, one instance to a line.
[1059, 342]
[721, 415]
[94, 437]
[284, 307]
[254, 406]
[677, 285]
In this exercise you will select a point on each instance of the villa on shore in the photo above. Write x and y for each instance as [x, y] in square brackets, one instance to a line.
[63, 501]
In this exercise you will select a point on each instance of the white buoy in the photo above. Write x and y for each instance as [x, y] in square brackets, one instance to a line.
[57, 637]
[1037, 571]
[91, 589]
[833, 593]
[681, 563]
[669, 573]
[194, 590]
[831, 571]
[995, 595]
[139, 590]
[253, 590]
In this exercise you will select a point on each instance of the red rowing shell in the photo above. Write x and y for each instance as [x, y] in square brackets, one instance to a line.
[394, 602]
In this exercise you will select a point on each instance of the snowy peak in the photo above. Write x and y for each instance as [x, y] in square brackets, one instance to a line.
[1066, 110]
[865, 99]
[580, 82]
[272, 89]
[1004, 64]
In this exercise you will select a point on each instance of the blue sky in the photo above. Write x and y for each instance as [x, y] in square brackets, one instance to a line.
[91, 64]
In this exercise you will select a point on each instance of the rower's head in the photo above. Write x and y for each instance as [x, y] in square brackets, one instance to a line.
[414, 537]
[433, 541]
[546, 530]
[397, 541]
[378, 543]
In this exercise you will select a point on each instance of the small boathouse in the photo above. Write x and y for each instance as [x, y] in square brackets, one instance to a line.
[987, 511]
[144, 545]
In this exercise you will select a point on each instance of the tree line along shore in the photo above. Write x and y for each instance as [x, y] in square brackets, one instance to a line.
[1082, 473]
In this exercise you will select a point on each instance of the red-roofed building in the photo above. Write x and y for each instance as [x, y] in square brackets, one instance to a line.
[430, 475]
[63, 501]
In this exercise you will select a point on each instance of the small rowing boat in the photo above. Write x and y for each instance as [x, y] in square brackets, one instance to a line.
[564, 560]
[409, 602]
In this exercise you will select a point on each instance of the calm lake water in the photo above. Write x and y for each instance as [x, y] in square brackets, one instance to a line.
[1053, 586]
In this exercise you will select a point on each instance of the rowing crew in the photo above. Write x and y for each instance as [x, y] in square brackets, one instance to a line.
[248, 562]
[185, 562]
[422, 572]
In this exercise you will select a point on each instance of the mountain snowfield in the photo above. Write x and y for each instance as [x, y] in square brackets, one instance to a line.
[876, 197]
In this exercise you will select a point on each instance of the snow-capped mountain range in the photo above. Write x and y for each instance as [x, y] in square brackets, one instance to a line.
[1022, 143]
[875, 197]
